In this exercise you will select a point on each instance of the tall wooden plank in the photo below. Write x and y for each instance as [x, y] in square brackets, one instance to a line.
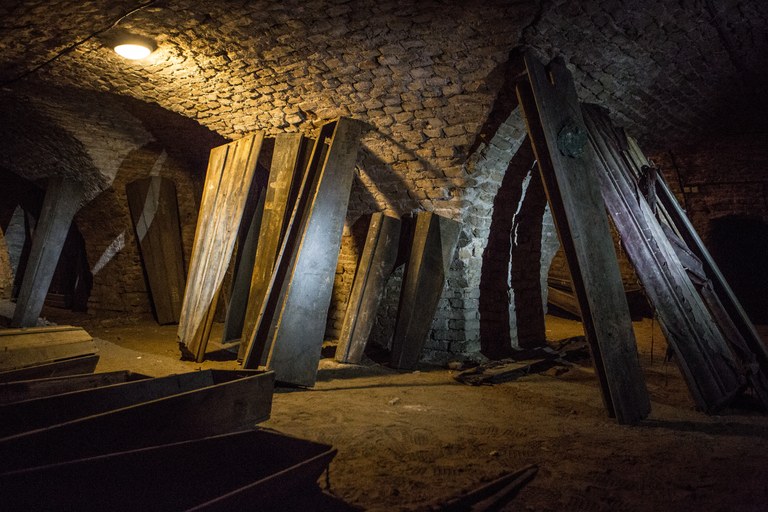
[238, 301]
[227, 182]
[258, 343]
[285, 176]
[296, 331]
[566, 162]
[376, 265]
[155, 216]
[63, 198]
[703, 355]
[434, 242]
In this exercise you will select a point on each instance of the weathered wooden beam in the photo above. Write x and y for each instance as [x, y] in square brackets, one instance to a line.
[63, 197]
[155, 216]
[234, 401]
[567, 165]
[227, 183]
[376, 264]
[289, 163]
[292, 319]
[703, 355]
[434, 242]
[37, 345]
[222, 473]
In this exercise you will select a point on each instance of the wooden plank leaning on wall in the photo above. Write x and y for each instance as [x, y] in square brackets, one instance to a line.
[566, 162]
[227, 182]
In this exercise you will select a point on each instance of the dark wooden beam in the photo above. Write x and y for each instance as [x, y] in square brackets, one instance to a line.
[155, 216]
[432, 248]
[289, 163]
[292, 319]
[567, 165]
[63, 198]
[376, 264]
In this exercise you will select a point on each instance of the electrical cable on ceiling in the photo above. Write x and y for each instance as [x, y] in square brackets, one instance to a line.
[79, 43]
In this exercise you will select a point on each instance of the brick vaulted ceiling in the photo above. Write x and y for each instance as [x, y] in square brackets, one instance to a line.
[417, 71]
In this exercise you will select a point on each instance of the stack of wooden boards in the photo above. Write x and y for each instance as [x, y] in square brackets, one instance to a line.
[285, 237]
[121, 441]
[38, 352]
[587, 165]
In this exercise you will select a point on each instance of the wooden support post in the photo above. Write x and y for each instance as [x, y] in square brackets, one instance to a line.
[703, 355]
[289, 162]
[566, 162]
[227, 183]
[292, 319]
[376, 265]
[155, 215]
[434, 242]
[63, 198]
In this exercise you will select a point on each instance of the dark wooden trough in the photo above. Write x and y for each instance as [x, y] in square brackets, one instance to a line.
[209, 403]
[19, 390]
[250, 470]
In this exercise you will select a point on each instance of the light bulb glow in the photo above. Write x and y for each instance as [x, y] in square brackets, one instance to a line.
[132, 51]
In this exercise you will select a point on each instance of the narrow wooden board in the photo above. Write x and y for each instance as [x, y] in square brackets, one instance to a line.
[20, 348]
[303, 280]
[434, 242]
[63, 197]
[227, 183]
[703, 356]
[567, 165]
[289, 162]
[37, 388]
[299, 325]
[246, 255]
[225, 473]
[376, 264]
[238, 400]
[259, 341]
[155, 216]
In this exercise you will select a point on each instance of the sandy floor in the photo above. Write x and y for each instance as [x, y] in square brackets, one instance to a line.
[407, 439]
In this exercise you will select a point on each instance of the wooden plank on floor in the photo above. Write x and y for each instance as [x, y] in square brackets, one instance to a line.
[237, 400]
[432, 248]
[63, 197]
[376, 264]
[303, 279]
[155, 215]
[289, 163]
[567, 165]
[227, 183]
[20, 348]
